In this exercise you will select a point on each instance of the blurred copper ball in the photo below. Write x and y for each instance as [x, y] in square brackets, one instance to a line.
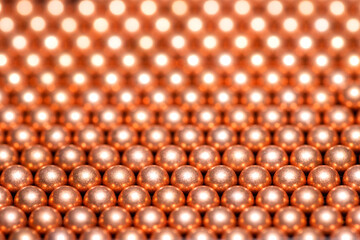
[79, 218]
[184, 219]
[64, 198]
[255, 137]
[238, 117]
[322, 137]
[149, 219]
[173, 117]
[122, 137]
[271, 117]
[60, 233]
[306, 158]
[201, 233]
[15, 177]
[323, 178]
[133, 198]
[289, 178]
[345, 233]
[219, 219]
[88, 137]
[21, 136]
[272, 233]
[288, 137]
[189, 137]
[343, 198]
[326, 219]
[34, 157]
[130, 233]
[29, 198]
[186, 178]
[254, 219]
[309, 233]
[6, 198]
[206, 117]
[118, 177]
[350, 137]
[236, 233]
[168, 198]
[272, 198]
[50, 177]
[307, 198]
[155, 137]
[305, 117]
[55, 137]
[338, 117]
[95, 233]
[115, 219]
[24, 233]
[44, 218]
[84, 177]
[165, 234]
[255, 178]
[8, 156]
[11, 218]
[289, 219]
[221, 137]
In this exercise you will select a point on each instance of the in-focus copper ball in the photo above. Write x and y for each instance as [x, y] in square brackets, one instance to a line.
[254, 219]
[353, 218]
[255, 137]
[340, 158]
[103, 157]
[289, 219]
[351, 177]
[35, 157]
[29, 198]
[288, 137]
[271, 158]
[220, 178]
[289, 178]
[306, 158]
[115, 219]
[118, 177]
[137, 157]
[15, 177]
[168, 198]
[64, 198]
[21, 136]
[84, 177]
[272, 198]
[236, 233]
[155, 137]
[305, 117]
[204, 157]
[88, 137]
[98, 198]
[152, 178]
[322, 137]
[237, 198]
[272, 117]
[130, 233]
[201, 233]
[45, 218]
[255, 178]
[326, 219]
[238, 117]
[133, 198]
[350, 137]
[95, 233]
[24, 233]
[60, 233]
[68, 157]
[219, 219]
[338, 117]
[202, 198]
[184, 219]
[165, 234]
[55, 137]
[11, 218]
[189, 137]
[6, 198]
[186, 178]
[122, 137]
[345, 233]
[307, 199]
[8, 156]
[50, 177]
[170, 157]
[238, 157]
[323, 178]
[343, 198]
[309, 233]
[221, 137]
[79, 218]
[149, 219]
